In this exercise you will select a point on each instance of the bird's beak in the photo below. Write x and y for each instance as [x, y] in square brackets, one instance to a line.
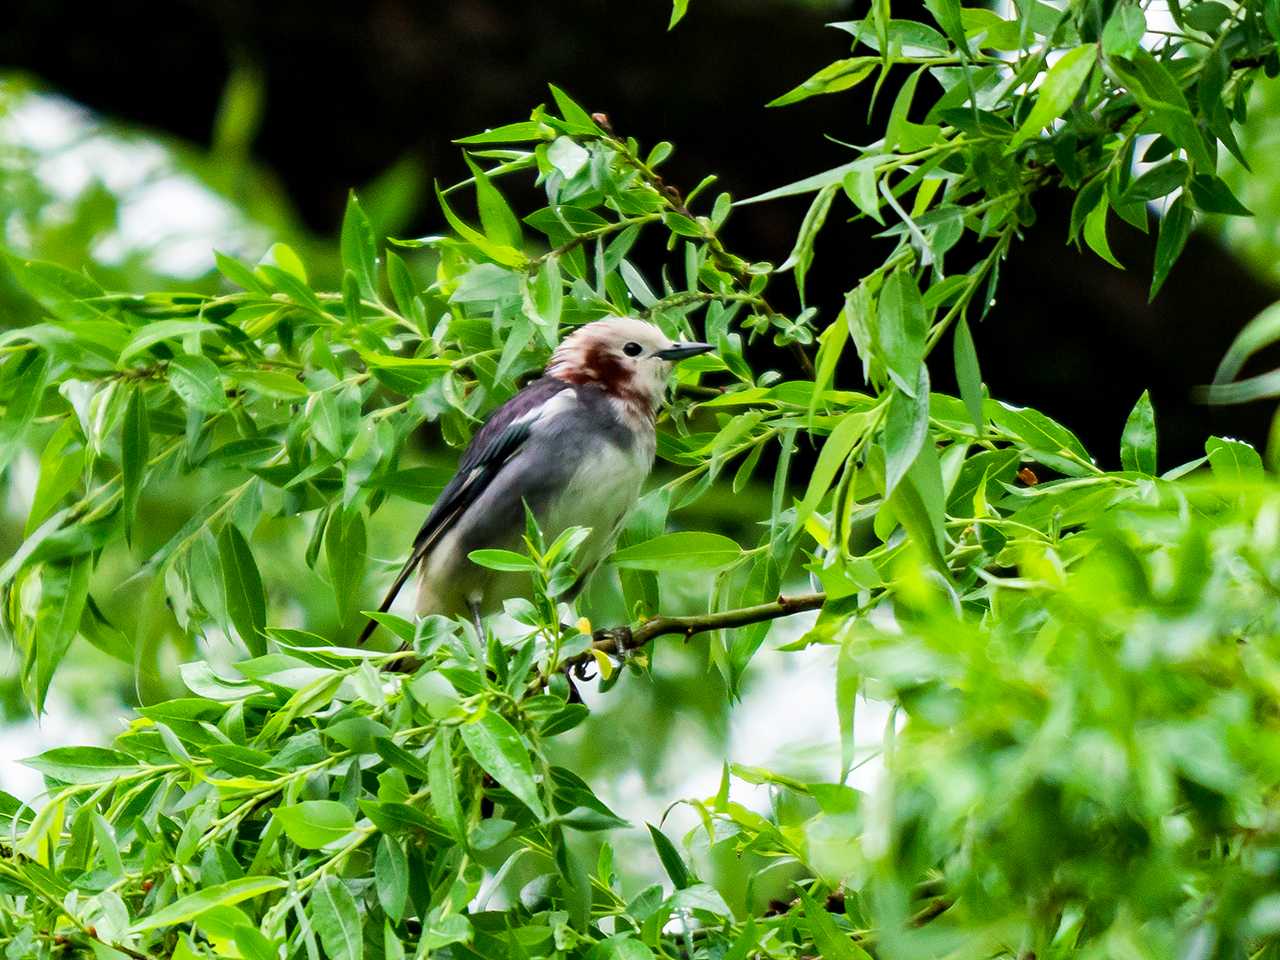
[681, 351]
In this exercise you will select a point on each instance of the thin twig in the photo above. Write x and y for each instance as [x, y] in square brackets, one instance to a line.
[615, 640]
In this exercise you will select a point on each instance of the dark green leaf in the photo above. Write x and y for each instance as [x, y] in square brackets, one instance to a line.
[1138, 443]
[242, 584]
[360, 248]
[336, 919]
[135, 451]
[501, 753]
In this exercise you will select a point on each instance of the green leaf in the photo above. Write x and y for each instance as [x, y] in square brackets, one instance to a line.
[832, 942]
[271, 383]
[1212, 195]
[500, 223]
[1262, 331]
[802, 253]
[391, 877]
[1138, 442]
[830, 459]
[573, 114]
[906, 428]
[672, 862]
[901, 329]
[64, 293]
[1124, 31]
[1175, 228]
[60, 471]
[548, 298]
[686, 550]
[509, 560]
[444, 788]
[501, 753]
[194, 378]
[1232, 460]
[64, 590]
[218, 895]
[1095, 233]
[1057, 91]
[345, 551]
[28, 391]
[313, 824]
[833, 78]
[83, 764]
[509, 133]
[161, 330]
[360, 247]
[135, 450]
[246, 602]
[968, 375]
[497, 252]
[621, 946]
[336, 919]
[946, 13]
[678, 9]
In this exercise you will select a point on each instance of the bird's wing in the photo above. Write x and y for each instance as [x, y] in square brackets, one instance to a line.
[490, 449]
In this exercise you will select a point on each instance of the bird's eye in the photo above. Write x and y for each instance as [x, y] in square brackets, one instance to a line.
[632, 349]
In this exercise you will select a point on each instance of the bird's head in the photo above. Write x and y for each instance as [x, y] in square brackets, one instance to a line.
[629, 359]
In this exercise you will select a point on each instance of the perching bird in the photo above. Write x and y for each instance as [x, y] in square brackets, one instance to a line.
[576, 445]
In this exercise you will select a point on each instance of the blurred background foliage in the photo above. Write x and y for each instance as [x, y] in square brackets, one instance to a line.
[146, 142]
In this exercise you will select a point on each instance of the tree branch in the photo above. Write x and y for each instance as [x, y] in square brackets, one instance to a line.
[615, 640]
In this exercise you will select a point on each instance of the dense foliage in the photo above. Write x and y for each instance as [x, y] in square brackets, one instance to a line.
[1082, 663]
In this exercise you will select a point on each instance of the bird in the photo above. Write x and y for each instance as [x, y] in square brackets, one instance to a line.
[576, 445]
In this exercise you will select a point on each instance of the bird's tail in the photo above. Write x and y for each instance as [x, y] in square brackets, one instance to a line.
[405, 572]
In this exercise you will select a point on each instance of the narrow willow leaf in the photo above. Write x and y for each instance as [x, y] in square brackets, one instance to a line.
[345, 551]
[336, 919]
[1138, 442]
[83, 764]
[497, 252]
[64, 590]
[832, 942]
[968, 375]
[833, 78]
[242, 584]
[1095, 233]
[905, 430]
[1262, 331]
[802, 253]
[391, 877]
[678, 9]
[1059, 88]
[28, 391]
[685, 550]
[444, 788]
[901, 329]
[501, 753]
[496, 216]
[135, 450]
[160, 331]
[1175, 228]
[672, 862]
[60, 472]
[218, 895]
[848, 680]
[359, 247]
[830, 459]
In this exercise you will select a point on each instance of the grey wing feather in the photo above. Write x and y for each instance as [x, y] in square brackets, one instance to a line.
[492, 446]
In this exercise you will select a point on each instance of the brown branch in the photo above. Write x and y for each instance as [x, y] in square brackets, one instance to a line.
[615, 640]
